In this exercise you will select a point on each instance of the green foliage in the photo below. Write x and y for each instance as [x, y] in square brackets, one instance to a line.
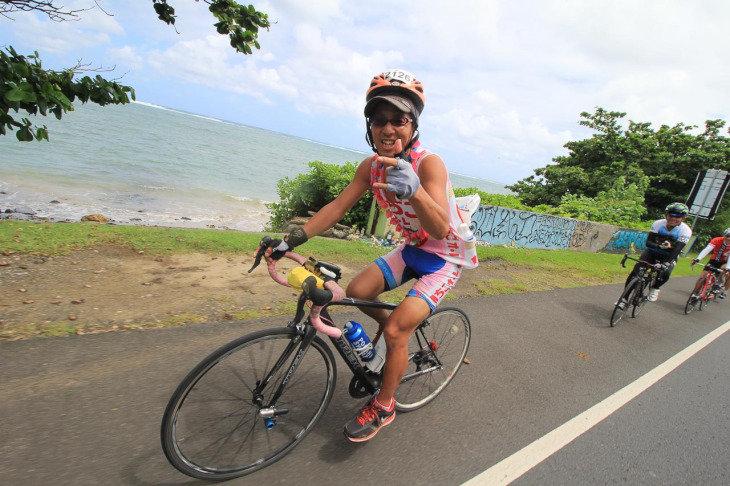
[502, 200]
[241, 23]
[670, 157]
[621, 205]
[26, 86]
[312, 191]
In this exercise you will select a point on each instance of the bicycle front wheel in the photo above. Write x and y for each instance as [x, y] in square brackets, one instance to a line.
[436, 351]
[623, 303]
[694, 297]
[221, 423]
[639, 297]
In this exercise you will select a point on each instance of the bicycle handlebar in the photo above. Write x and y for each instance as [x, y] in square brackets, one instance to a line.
[655, 266]
[332, 292]
[710, 268]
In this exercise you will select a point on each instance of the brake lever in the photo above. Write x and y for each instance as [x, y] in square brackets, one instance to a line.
[263, 245]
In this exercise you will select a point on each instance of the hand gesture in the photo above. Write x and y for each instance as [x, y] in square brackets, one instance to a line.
[401, 178]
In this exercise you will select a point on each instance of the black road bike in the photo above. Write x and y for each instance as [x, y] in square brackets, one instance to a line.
[636, 292]
[251, 401]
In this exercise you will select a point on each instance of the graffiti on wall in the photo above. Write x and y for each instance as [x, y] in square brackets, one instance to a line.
[503, 226]
[627, 240]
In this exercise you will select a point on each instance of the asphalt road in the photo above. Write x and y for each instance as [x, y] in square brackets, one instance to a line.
[86, 410]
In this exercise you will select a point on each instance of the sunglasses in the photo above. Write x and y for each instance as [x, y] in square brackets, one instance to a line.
[676, 215]
[381, 121]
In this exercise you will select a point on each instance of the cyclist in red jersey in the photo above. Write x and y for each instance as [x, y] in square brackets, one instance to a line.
[720, 249]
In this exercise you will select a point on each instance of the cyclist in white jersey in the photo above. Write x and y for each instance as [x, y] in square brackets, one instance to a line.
[412, 185]
[667, 237]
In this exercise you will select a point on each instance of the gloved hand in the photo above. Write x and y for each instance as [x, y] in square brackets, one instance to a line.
[403, 180]
[280, 247]
[695, 261]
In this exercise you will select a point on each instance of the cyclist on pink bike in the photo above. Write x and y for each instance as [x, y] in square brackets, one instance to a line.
[412, 185]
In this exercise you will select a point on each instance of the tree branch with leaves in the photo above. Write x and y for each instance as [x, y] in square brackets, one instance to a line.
[27, 88]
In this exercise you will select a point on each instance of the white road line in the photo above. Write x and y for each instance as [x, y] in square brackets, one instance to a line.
[522, 461]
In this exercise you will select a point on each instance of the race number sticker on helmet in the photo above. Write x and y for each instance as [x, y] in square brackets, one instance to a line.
[396, 75]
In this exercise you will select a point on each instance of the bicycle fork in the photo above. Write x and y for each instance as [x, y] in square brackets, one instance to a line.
[269, 412]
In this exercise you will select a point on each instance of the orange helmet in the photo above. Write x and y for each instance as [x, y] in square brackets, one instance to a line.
[399, 83]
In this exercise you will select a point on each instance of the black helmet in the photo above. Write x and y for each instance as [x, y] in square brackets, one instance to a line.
[677, 209]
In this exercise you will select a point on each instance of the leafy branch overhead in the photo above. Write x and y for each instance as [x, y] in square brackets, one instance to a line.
[239, 22]
[28, 89]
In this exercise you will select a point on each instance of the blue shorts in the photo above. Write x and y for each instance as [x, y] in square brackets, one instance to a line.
[436, 277]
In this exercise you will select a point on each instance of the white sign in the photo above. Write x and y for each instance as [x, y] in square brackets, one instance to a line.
[707, 193]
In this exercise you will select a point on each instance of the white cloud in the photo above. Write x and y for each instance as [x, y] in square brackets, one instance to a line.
[505, 81]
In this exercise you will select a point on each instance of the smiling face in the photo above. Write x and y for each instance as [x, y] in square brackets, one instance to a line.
[385, 130]
[674, 220]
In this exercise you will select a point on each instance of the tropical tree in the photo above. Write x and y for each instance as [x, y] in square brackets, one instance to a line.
[670, 157]
[26, 87]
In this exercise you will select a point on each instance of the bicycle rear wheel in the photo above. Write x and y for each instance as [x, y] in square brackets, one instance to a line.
[625, 299]
[695, 297]
[436, 351]
[218, 426]
[639, 298]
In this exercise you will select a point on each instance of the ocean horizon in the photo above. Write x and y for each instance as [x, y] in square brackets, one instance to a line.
[144, 164]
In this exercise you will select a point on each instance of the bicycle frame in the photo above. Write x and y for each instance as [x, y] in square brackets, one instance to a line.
[370, 381]
[647, 272]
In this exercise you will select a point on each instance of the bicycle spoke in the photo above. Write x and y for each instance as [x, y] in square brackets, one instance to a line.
[213, 428]
[436, 351]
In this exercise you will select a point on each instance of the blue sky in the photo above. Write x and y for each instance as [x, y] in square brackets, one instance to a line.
[505, 81]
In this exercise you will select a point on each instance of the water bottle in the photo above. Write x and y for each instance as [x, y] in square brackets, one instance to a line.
[372, 357]
[467, 235]
[359, 341]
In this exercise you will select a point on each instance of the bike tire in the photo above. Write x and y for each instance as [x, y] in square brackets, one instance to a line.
[212, 429]
[619, 313]
[639, 298]
[706, 294]
[694, 297]
[436, 351]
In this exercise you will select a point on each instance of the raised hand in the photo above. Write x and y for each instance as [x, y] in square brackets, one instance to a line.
[401, 179]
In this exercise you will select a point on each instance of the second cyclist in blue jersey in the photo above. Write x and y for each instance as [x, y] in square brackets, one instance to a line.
[667, 237]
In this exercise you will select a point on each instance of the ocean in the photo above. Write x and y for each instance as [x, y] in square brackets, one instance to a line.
[146, 164]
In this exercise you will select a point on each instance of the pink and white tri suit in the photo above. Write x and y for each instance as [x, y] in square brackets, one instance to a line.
[437, 264]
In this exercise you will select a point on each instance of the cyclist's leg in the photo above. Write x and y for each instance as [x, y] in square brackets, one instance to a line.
[385, 273]
[368, 285]
[401, 324]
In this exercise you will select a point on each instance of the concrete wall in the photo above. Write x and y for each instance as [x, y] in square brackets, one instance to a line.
[503, 226]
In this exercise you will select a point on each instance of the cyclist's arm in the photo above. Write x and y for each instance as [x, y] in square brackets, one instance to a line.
[676, 250]
[334, 211]
[652, 240]
[707, 250]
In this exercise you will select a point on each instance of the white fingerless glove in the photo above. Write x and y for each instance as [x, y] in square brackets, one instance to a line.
[403, 180]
